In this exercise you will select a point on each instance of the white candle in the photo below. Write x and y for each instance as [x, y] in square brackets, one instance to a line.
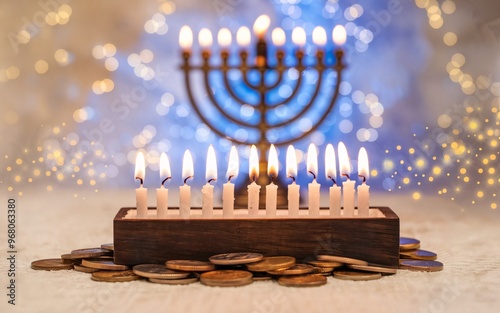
[253, 188]
[272, 188]
[228, 188]
[185, 38]
[363, 189]
[185, 190]
[207, 201]
[293, 188]
[141, 193]
[339, 35]
[205, 38]
[331, 173]
[348, 190]
[243, 36]
[261, 25]
[162, 192]
[313, 187]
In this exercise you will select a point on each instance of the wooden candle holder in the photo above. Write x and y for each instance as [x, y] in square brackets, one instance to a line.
[374, 239]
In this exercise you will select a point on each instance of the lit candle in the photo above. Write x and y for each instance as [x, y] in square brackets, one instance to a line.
[141, 193]
[162, 192]
[253, 188]
[224, 37]
[207, 191]
[339, 35]
[348, 190]
[293, 188]
[243, 36]
[278, 36]
[205, 38]
[261, 25]
[319, 36]
[313, 187]
[331, 173]
[228, 188]
[272, 188]
[363, 189]
[186, 38]
[185, 190]
[299, 36]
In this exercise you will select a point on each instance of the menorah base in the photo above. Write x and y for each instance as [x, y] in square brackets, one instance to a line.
[374, 238]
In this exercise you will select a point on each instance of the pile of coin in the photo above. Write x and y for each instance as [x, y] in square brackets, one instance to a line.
[239, 268]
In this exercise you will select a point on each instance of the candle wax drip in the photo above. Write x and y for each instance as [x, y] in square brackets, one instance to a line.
[314, 175]
[142, 181]
[185, 180]
[165, 180]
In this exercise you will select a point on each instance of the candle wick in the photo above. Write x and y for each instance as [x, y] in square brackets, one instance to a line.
[273, 178]
[314, 175]
[165, 180]
[346, 175]
[364, 178]
[185, 180]
[333, 180]
[211, 180]
[229, 178]
[292, 177]
[142, 181]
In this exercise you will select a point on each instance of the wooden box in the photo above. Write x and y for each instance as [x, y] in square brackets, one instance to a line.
[374, 239]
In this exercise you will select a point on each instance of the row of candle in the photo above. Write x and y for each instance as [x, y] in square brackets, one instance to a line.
[254, 189]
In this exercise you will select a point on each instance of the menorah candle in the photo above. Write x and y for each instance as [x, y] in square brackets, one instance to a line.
[348, 190]
[278, 37]
[186, 38]
[272, 188]
[319, 36]
[185, 190]
[141, 193]
[293, 188]
[207, 191]
[299, 36]
[224, 38]
[243, 36]
[339, 35]
[313, 187]
[331, 173]
[260, 28]
[205, 40]
[162, 192]
[363, 189]
[228, 188]
[253, 188]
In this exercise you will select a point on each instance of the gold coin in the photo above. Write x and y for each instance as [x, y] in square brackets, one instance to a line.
[327, 264]
[108, 246]
[406, 243]
[262, 278]
[66, 256]
[158, 271]
[115, 276]
[85, 269]
[104, 265]
[236, 258]
[322, 270]
[374, 268]
[226, 278]
[189, 265]
[340, 259]
[89, 253]
[181, 281]
[297, 269]
[52, 265]
[308, 280]
[418, 255]
[355, 275]
[421, 265]
[271, 263]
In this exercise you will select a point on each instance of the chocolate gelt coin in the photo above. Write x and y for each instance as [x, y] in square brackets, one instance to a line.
[271, 263]
[374, 268]
[158, 271]
[308, 280]
[107, 265]
[418, 254]
[421, 265]
[356, 275]
[52, 265]
[177, 281]
[236, 258]
[406, 243]
[226, 278]
[115, 276]
[89, 253]
[297, 269]
[189, 265]
[340, 259]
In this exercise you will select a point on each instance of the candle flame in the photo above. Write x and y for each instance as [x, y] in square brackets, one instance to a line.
[312, 160]
[261, 25]
[319, 36]
[140, 167]
[211, 165]
[187, 166]
[272, 162]
[165, 173]
[224, 37]
[339, 35]
[278, 36]
[363, 166]
[299, 36]
[234, 164]
[253, 162]
[243, 36]
[186, 38]
[205, 38]
[330, 164]
[291, 163]
[344, 163]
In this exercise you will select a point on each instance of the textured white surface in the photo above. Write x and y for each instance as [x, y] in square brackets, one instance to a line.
[51, 224]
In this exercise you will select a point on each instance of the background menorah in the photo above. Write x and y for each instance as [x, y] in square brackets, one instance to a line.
[261, 78]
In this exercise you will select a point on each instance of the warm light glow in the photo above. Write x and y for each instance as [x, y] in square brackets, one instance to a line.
[205, 38]
[330, 163]
[344, 163]
[272, 162]
[261, 25]
[164, 167]
[243, 36]
[187, 166]
[299, 36]
[339, 35]
[253, 163]
[312, 160]
[291, 162]
[211, 165]
[140, 167]
[363, 167]
[319, 36]
[234, 164]
[224, 37]
[186, 38]
[278, 36]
